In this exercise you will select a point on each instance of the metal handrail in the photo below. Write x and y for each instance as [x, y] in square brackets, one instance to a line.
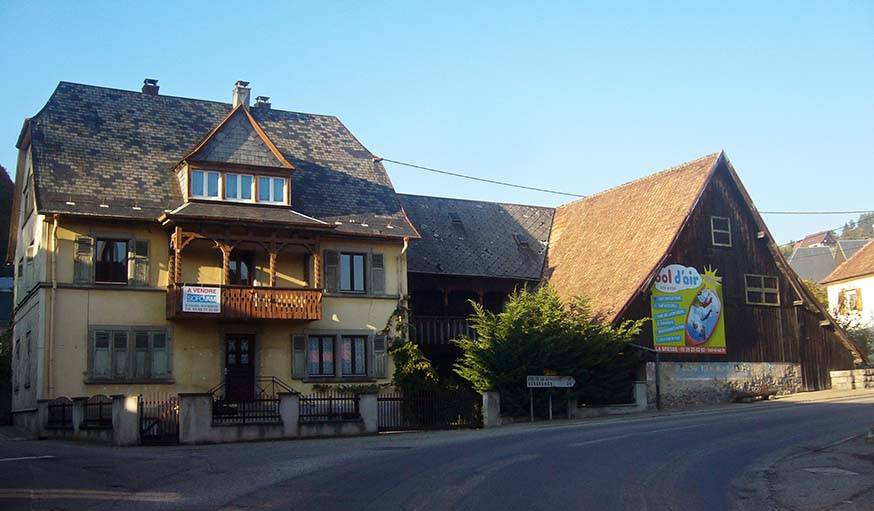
[261, 383]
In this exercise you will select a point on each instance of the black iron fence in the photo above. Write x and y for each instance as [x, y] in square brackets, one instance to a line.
[98, 412]
[159, 419]
[329, 407]
[448, 409]
[60, 413]
[263, 408]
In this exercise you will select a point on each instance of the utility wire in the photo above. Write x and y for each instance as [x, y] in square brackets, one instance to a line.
[546, 190]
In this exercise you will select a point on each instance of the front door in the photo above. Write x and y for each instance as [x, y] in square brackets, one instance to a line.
[239, 367]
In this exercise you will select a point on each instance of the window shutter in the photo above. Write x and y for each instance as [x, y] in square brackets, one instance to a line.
[332, 271]
[378, 356]
[84, 258]
[299, 356]
[859, 306]
[139, 256]
[377, 274]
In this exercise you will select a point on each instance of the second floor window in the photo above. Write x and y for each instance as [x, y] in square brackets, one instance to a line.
[242, 268]
[238, 187]
[352, 273]
[271, 190]
[110, 261]
[762, 290]
[720, 231]
[205, 184]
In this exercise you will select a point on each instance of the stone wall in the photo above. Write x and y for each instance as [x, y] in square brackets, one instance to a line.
[851, 380]
[689, 384]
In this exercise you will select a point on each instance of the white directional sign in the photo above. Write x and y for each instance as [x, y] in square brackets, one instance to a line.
[545, 382]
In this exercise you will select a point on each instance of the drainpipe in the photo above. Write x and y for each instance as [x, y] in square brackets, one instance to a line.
[401, 270]
[51, 340]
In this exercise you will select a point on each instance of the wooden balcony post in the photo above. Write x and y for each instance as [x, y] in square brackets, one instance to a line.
[226, 262]
[317, 270]
[272, 254]
[177, 255]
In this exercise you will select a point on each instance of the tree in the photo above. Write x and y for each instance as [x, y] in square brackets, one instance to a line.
[537, 332]
[819, 292]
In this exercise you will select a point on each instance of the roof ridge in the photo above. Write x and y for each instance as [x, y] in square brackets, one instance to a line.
[828, 278]
[643, 178]
[185, 98]
[476, 200]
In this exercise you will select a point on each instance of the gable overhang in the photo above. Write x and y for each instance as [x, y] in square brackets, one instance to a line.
[259, 130]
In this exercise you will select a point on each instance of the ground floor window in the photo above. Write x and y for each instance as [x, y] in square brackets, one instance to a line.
[320, 355]
[130, 353]
[353, 355]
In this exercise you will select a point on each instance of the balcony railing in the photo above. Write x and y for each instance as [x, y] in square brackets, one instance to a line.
[438, 329]
[243, 303]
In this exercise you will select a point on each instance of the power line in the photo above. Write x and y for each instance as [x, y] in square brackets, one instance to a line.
[546, 190]
[474, 178]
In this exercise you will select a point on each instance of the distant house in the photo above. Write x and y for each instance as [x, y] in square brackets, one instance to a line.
[844, 249]
[851, 287]
[813, 263]
[819, 239]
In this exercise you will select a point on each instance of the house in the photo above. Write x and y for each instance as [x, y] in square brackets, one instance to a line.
[819, 239]
[689, 239]
[7, 189]
[813, 263]
[165, 245]
[759, 330]
[844, 249]
[469, 251]
[851, 287]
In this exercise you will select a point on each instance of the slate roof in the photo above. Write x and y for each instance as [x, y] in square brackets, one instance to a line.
[95, 145]
[861, 264]
[481, 241]
[605, 246]
[222, 211]
[813, 263]
[850, 247]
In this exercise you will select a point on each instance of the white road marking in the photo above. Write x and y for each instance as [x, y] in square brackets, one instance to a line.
[24, 458]
[71, 494]
[637, 433]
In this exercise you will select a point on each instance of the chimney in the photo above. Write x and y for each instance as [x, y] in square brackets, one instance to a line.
[241, 94]
[263, 102]
[150, 87]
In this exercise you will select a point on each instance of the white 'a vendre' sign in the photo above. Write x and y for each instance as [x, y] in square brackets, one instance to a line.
[202, 299]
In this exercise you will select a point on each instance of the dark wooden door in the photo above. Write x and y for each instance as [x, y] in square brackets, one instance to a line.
[239, 367]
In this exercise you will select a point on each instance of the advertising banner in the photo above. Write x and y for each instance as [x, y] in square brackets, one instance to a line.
[687, 312]
[201, 299]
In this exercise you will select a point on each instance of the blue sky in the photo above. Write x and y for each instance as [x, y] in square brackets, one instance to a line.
[573, 96]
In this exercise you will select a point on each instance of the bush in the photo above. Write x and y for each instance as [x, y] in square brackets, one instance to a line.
[537, 332]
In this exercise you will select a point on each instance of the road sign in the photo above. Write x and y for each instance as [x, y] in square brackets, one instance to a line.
[545, 382]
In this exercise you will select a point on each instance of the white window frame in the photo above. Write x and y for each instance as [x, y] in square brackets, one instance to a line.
[238, 177]
[714, 230]
[205, 194]
[271, 192]
[763, 289]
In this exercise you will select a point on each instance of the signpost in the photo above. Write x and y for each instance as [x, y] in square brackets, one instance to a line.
[547, 382]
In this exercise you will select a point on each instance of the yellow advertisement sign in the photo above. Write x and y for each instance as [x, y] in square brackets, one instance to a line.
[687, 311]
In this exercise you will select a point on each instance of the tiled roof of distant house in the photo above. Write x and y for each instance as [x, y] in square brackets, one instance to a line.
[475, 238]
[812, 263]
[861, 264]
[849, 247]
[94, 145]
[819, 238]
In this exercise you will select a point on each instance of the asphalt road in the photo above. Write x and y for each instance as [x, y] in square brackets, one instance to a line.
[697, 460]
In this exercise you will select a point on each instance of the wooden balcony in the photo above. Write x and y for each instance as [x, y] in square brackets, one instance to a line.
[248, 303]
[438, 329]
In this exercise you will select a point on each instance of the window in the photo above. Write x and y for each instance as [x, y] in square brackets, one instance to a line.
[353, 355]
[762, 290]
[720, 231]
[271, 190]
[242, 268]
[850, 300]
[124, 354]
[111, 261]
[320, 355]
[205, 184]
[238, 187]
[352, 273]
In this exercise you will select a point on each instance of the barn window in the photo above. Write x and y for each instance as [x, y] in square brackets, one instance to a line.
[762, 290]
[720, 231]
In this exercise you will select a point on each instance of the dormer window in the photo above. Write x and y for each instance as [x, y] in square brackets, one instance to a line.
[205, 184]
[271, 190]
[238, 187]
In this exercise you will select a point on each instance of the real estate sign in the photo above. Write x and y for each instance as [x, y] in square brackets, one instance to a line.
[201, 299]
[687, 312]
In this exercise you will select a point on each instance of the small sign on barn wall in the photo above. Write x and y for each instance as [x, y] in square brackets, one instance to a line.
[687, 311]
[201, 299]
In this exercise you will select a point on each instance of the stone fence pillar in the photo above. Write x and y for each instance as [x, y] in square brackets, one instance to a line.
[195, 418]
[640, 394]
[78, 414]
[491, 409]
[42, 418]
[125, 419]
[289, 411]
[368, 407]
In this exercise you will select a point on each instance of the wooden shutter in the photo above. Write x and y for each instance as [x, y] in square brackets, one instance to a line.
[298, 356]
[139, 262]
[377, 274]
[859, 306]
[332, 271]
[378, 359]
[84, 260]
